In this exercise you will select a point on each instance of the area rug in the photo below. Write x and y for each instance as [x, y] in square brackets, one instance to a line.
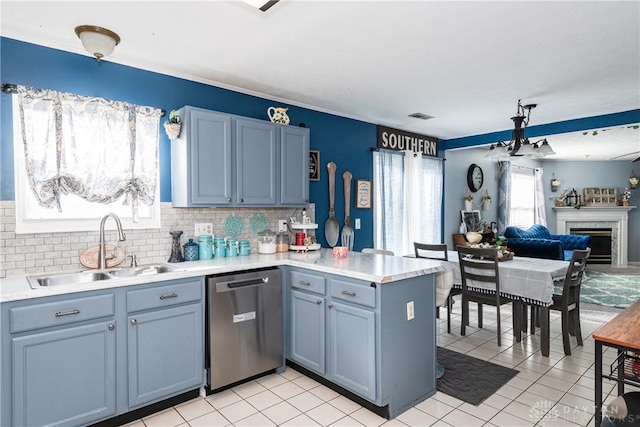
[610, 290]
[470, 379]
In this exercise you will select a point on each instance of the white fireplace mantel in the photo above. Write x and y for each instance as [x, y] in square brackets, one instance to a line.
[614, 217]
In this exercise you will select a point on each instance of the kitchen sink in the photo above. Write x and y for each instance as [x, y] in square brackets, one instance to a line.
[141, 270]
[67, 278]
[90, 276]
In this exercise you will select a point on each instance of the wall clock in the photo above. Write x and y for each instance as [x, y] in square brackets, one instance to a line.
[475, 177]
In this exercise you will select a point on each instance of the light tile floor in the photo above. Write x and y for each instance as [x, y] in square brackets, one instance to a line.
[548, 391]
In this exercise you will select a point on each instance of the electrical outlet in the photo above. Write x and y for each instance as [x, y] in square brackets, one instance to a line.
[202, 228]
[282, 225]
[357, 223]
[410, 311]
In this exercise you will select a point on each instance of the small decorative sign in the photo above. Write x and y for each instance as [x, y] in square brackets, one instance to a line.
[314, 165]
[363, 194]
[400, 140]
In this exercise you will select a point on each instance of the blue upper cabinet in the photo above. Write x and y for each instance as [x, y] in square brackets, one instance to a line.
[201, 159]
[256, 162]
[294, 174]
[226, 160]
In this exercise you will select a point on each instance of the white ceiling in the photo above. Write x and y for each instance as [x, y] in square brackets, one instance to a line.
[465, 63]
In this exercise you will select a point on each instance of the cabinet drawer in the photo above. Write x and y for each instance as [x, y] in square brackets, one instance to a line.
[60, 313]
[347, 291]
[165, 295]
[308, 282]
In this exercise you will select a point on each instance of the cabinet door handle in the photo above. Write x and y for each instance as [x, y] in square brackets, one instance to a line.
[319, 302]
[229, 199]
[173, 295]
[242, 200]
[67, 313]
[302, 282]
[111, 326]
[330, 306]
[134, 321]
[349, 294]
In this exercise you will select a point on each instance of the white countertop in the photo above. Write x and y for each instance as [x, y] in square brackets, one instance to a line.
[370, 267]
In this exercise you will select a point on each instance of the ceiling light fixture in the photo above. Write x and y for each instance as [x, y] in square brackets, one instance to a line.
[519, 146]
[98, 41]
[263, 5]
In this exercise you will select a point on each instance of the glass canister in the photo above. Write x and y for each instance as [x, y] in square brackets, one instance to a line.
[191, 250]
[244, 247]
[282, 242]
[205, 246]
[267, 242]
[232, 247]
[220, 247]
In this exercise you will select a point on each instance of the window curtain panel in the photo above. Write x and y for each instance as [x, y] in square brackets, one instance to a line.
[97, 149]
[504, 186]
[540, 213]
[388, 171]
[413, 214]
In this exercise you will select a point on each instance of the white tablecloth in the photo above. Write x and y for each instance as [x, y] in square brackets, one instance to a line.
[530, 279]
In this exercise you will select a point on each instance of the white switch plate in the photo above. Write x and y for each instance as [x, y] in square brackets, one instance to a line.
[282, 225]
[357, 223]
[202, 228]
[410, 312]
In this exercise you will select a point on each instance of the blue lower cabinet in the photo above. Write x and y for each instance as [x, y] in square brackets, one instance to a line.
[165, 353]
[65, 377]
[307, 326]
[352, 349]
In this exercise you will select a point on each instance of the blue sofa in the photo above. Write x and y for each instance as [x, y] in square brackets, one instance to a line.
[537, 242]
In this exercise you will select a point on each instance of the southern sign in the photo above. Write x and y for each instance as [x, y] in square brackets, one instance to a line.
[400, 140]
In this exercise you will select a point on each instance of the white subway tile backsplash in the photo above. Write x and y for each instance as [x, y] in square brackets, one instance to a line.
[38, 253]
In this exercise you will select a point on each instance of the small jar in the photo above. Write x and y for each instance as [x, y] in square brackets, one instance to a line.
[282, 242]
[244, 248]
[205, 246]
[220, 247]
[232, 247]
[191, 250]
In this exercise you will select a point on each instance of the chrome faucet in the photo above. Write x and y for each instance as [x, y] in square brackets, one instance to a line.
[102, 253]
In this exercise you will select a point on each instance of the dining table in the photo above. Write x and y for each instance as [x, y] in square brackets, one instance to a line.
[530, 280]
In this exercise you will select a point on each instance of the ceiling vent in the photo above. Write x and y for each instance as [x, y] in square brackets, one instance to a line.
[421, 116]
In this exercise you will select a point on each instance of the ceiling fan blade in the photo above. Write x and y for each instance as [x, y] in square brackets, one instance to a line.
[625, 155]
[635, 160]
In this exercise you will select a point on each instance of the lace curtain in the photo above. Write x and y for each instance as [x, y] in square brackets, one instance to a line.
[504, 188]
[413, 214]
[94, 148]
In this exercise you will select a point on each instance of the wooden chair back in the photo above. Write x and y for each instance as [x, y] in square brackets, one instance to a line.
[431, 251]
[575, 273]
[479, 264]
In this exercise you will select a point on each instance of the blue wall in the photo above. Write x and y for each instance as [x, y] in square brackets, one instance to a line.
[344, 141]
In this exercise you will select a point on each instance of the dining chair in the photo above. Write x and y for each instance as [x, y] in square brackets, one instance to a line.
[377, 251]
[482, 265]
[568, 302]
[444, 280]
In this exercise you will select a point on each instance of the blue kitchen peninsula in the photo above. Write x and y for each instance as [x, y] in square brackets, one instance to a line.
[364, 325]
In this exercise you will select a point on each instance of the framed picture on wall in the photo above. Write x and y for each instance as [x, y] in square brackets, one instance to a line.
[314, 165]
[471, 220]
[364, 194]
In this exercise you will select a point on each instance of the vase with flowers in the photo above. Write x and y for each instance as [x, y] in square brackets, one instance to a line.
[468, 201]
[625, 197]
[503, 254]
[486, 201]
[173, 125]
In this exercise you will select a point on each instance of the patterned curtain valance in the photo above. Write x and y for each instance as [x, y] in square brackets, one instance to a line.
[94, 148]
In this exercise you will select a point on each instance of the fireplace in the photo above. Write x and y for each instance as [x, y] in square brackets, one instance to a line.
[613, 218]
[600, 243]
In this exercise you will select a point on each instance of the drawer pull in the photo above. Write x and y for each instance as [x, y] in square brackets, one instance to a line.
[111, 327]
[67, 313]
[134, 322]
[302, 282]
[349, 294]
[173, 295]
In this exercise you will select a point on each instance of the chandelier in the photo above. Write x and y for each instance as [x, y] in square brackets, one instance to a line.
[519, 146]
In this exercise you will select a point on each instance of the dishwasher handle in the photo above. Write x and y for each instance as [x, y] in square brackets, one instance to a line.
[248, 282]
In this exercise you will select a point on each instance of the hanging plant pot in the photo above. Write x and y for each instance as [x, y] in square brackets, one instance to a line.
[172, 129]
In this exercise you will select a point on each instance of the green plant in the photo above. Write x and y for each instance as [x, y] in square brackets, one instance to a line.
[174, 117]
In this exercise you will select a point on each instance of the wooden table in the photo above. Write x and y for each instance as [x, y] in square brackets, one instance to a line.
[622, 333]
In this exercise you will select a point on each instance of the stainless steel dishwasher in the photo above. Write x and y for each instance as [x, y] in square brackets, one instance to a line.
[244, 327]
